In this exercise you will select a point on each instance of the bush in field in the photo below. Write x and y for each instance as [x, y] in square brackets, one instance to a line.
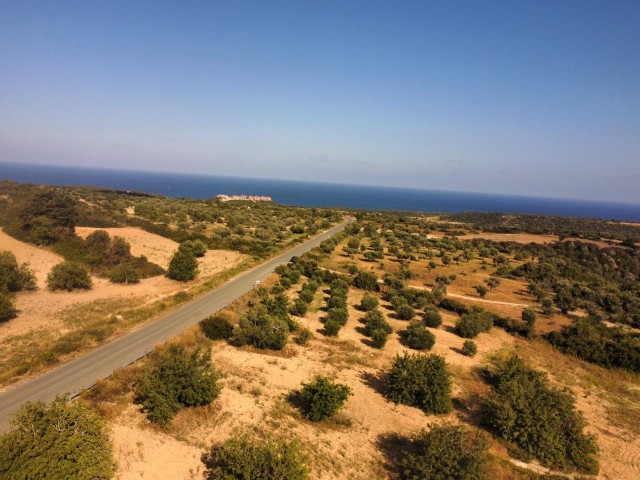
[421, 381]
[446, 453]
[368, 303]
[469, 348]
[374, 320]
[14, 277]
[303, 337]
[61, 439]
[183, 266]
[419, 337]
[473, 323]
[432, 317]
[323, 398]
[245, 458]
[331, 328]
[299, 308]
[379, 338]
[366, 281]
[338, 315]
[124, 273]
[176, 379]
[7, 307]
[405, 312]
[262, 330]
[68, 276]
[217, 327]
[453, 306]
[542, 420]
[197, 247]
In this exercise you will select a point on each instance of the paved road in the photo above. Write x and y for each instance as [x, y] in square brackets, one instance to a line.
[83, 371]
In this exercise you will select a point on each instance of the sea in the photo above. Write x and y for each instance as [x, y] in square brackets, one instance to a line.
[315, 194]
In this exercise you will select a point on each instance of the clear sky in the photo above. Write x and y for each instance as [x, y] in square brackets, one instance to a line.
[536, 98]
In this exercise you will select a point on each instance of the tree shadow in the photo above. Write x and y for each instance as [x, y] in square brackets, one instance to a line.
[294, 398]
[393, 448]
[457, 350]
[449, 329]
[376, 381]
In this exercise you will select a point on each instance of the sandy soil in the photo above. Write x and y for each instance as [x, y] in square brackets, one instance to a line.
[43, 309]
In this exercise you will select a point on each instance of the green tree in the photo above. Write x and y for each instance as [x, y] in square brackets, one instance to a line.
[543, 421]
[379, 338]
[197, 247]
[124, 273]
[183, 266]
[68, 276]
[421, 381]
[473, 323]
[432, 317]
[245, 458]
[322, 398]
[366, 281]
[469, 348]
[261, 330]
[482, 290]
[14, 277]
[446, 452]
[405, 312]
[217, 327]
[176, 379]
[58, 440]
[7, 307]
[368, 303]
[419, 337]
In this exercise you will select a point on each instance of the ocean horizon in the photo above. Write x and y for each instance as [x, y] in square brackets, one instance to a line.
[314, 194]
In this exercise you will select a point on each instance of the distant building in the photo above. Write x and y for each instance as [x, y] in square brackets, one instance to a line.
[245, 198]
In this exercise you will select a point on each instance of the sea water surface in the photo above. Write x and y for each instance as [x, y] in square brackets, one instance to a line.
[314, 194]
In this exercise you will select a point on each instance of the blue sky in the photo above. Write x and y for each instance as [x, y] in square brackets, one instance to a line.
[534, 98]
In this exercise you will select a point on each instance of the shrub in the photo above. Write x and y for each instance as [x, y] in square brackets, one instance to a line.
[306, 295]
[473, 323]
[303, 337]
[261, 330]
[366, 281]
[432, 317]
[245, 458]
[323, 398]
[14, 278]
[421, 381]
[469, 348]
[197, 247]
[124, 273]
[58, 440]
[418, 337]
[7, 307]
[67, 276]
[374, 320]
[368, 303]
[379, 338]
[543, 421]
[299, 308]
[453, 306]
[183, 266]
[331, 328]
[405, 312]
[176, 379]
[338, 315]
[217, 327]
[446, 452]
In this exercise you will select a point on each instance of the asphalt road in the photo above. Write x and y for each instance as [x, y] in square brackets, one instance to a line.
[84, 371]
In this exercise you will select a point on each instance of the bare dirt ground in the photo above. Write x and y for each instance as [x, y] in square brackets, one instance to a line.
[44, 309]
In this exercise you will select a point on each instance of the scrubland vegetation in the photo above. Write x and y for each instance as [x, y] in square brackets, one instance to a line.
[376, 355]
